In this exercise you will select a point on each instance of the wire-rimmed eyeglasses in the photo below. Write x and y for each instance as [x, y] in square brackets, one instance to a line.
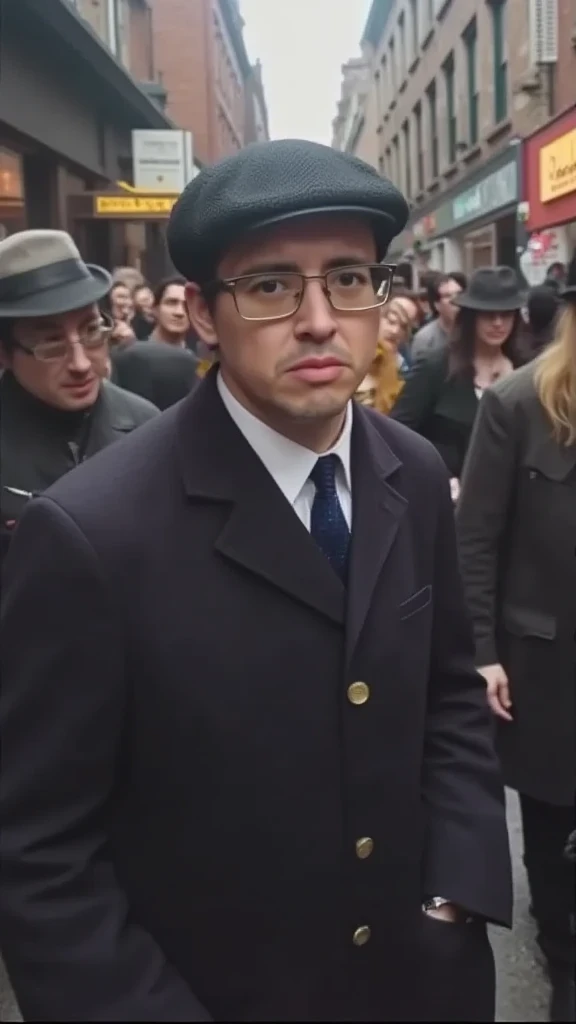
[275, 295]
[91, 339]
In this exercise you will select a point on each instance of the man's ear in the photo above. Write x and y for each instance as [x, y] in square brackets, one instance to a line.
[200, 315]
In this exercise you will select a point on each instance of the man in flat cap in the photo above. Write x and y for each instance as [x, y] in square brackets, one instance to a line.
[247, 762]
[55, 409]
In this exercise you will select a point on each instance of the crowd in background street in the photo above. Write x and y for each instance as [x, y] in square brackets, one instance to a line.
[479, 367]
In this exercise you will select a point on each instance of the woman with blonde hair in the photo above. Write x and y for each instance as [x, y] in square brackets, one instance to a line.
[517, 535]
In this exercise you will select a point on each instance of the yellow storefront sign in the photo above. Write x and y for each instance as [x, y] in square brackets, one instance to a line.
[558, 168]
[135, 206]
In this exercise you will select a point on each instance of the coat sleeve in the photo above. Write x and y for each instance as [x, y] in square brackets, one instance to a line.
[467, 857]
[419, 393]
[482, 512]
[71, 947]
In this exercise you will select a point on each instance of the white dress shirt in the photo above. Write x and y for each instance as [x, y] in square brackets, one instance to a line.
[288, 463]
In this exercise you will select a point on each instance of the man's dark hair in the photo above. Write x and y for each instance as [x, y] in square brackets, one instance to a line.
[162, 288]
[543, 305]
[459, 277]
[434, 288]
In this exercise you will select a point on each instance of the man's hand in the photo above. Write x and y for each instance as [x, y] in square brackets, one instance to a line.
[447, 912]
[498, 690]
[122, 334]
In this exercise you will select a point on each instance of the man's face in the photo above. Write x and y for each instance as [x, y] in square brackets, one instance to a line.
[446, 309]
[171, 312]
[72, 380]
[144, 299]
[308, 365]
[121, 303]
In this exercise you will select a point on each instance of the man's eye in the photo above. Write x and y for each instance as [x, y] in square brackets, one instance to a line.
[268, 286]
[350, 278]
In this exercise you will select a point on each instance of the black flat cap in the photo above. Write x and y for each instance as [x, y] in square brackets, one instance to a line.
[270, 182]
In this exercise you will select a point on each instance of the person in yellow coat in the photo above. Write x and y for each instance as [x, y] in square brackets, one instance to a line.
[383, 384]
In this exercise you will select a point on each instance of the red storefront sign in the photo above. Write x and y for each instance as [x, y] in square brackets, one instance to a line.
[550, 173]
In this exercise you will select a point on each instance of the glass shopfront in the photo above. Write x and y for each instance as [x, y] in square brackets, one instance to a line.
[12, 197]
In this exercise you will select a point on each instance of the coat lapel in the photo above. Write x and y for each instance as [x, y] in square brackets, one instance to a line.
[111, 419]
[377, 512]
[262, 533]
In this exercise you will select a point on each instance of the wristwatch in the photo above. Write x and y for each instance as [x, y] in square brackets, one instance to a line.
[434, 903]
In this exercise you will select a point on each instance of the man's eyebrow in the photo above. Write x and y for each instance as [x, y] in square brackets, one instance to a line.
[351, 260]
[46, 325]
[275, 267]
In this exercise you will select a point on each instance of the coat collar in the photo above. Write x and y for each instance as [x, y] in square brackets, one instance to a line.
[263, 534]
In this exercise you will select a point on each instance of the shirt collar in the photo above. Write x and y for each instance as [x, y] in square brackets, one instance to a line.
[289, 464]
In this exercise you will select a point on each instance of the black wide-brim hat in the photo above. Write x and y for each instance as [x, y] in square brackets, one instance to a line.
[270, 183]
[43, 274]
[492, 290]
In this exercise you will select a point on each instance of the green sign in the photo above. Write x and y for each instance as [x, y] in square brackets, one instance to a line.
[498, 189]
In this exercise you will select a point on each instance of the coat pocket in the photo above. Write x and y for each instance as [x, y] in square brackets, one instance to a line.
[416, 603]
[526, 622]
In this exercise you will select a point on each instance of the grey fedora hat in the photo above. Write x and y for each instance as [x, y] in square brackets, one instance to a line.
[43, 274]
[492, 290]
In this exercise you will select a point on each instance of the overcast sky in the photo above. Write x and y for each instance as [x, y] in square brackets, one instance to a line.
[302, 45]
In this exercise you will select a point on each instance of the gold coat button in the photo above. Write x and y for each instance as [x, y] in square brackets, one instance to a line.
[358, 693]
[361, 935]
[364, 847]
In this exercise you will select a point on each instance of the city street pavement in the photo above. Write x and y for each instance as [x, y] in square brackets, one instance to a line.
[522, 994]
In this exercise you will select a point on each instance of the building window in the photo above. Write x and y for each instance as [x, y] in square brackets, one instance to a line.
[402, 47]
[388, 164]
[407, 157]
[449, 80]
[393, 69]
[470, 39]
[433, 126]
[11, 175]
[381, 166]
[419, 147]
[384, 83]
[415, 19]
[396, 168]
[498, 8]
[378, 94]
[123, 32]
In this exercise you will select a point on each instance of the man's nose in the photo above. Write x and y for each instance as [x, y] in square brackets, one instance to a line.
[316, 318]
[77, 359]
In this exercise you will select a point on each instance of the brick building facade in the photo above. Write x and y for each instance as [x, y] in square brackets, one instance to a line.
[213, 91]
[67, 110]
[453, 88]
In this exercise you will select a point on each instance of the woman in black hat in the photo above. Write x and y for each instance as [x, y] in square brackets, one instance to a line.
[441, 395]
[517, 530]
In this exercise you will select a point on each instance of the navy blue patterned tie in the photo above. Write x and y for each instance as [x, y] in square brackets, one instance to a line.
[327, 523]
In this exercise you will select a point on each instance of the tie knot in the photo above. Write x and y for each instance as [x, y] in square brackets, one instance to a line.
[323, 475]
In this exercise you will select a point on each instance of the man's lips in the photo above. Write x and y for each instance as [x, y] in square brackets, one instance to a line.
[318, 371]
[80, 385]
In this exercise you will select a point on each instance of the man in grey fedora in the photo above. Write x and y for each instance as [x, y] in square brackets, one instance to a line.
[57, 408]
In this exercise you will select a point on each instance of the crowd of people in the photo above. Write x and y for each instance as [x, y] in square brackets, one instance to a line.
[251, 723]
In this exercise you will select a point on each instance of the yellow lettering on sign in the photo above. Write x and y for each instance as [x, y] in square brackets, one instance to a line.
[558, 168]
[136, 205]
